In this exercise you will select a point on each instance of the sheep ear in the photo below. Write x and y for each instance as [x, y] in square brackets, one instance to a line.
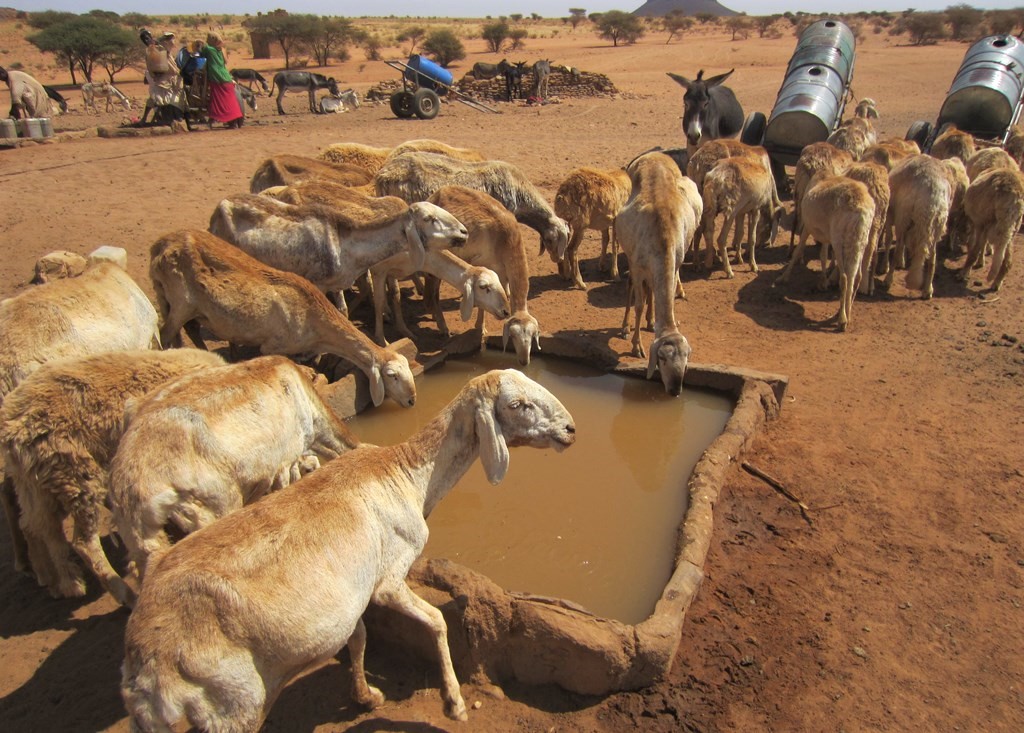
[493, 451]
[416, 251]
[376, 386]
[536, 339]
[466, 309]
[652, 359]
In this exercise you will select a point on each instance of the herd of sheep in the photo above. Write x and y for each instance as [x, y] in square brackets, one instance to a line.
[102, 431]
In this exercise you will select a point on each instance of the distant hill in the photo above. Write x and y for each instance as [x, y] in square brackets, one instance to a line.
[658, 8]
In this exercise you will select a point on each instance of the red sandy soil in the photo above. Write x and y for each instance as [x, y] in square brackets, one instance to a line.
[898, 609]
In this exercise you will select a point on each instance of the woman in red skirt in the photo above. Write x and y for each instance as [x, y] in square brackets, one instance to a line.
[223, 100]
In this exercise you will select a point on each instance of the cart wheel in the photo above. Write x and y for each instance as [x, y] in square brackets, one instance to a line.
[919, 132]
[753, 129]
[426, 104]
[402, 104]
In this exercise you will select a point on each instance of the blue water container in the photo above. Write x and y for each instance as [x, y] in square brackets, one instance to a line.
[425, 73]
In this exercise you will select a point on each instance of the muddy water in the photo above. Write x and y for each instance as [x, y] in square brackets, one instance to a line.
[595, 524]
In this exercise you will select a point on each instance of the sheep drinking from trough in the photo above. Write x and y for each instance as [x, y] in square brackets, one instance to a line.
[216, 635]
[495, 241]
[331, 247]
[416, 176]
[284, 170]
[198, 276]
[479, 286]
[59, 430]
[204, 444]
[655, 228]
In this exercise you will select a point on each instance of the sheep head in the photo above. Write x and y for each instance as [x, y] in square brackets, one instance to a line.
[393, 378]
[513, 410]
[431, 227]
[483, 289]
[524, 332]
[669, 354]
[555, 239]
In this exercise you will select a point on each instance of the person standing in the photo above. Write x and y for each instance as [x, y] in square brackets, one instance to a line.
[224, 106]
[28, 98]
[165, 92]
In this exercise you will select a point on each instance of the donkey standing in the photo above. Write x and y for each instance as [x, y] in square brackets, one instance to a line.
[710, 110]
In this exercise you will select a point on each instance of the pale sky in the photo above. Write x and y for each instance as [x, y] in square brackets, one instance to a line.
[472, 8]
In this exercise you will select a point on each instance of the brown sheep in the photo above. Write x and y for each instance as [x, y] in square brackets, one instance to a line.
[994, 204]
[953, 143]
[590, 198]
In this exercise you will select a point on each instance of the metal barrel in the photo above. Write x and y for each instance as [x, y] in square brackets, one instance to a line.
[813, 93]
[8, 128]
[425, 73]
[828, 43]
[987, 88]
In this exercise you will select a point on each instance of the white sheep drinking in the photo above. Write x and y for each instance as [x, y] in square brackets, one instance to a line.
[216, 635]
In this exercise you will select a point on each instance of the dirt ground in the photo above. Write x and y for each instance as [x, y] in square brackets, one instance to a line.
[899, 609]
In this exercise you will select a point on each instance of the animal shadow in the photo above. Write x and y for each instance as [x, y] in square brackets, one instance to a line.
[77, 687]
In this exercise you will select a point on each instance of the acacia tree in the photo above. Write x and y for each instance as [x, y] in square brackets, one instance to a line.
[577, 16]
[330, 38]
[444, 46]
[676, 23]
[617, 25]
[129, 53]
[739, 25]
[963, 21]
[495, 35]
[413, 34]
[292, 32]
[83, 41]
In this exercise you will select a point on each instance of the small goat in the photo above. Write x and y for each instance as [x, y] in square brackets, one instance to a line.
[58, 432]
[739, 187]
[854, 135]
[994, 204]
[839, 213]
[590, 198]
[206, 443]
[921, 194]
[217, 635]
[198, 276]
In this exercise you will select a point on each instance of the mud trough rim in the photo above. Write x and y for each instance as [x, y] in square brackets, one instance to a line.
[497, 635]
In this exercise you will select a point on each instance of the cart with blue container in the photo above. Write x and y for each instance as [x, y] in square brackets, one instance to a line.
[424, 82]
[985, 96]
[810, 103]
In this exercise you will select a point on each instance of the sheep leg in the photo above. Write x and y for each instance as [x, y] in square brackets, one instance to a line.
[362, 692]
[796, 253]
[602, 264]
[1007, 263]
[91, 551]
[19, 545]
[400, 597]
[338, 298]
[442, 324]
[397, 318]
[753, 222]
[723, 252]
[929, 272]
[569, 267]
[624, 329]
[194, 332]
[709, 239]
[639, 298]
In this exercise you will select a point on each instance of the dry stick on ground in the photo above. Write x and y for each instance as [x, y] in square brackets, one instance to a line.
[777, 485]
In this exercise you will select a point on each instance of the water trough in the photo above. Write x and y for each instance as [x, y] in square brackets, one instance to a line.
[497, 634]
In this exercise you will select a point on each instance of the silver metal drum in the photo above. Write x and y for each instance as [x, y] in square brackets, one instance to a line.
[810, 102]
[828, 43]
[986, 92]
[806, 110]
